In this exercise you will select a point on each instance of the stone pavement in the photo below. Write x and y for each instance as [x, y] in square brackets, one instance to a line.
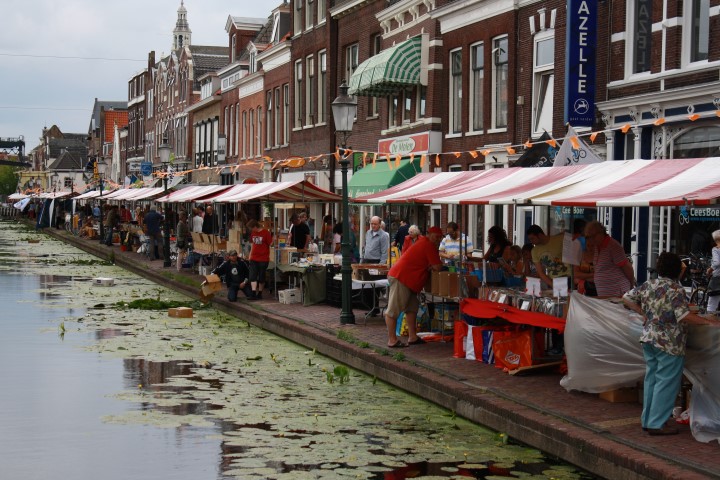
[601, 437]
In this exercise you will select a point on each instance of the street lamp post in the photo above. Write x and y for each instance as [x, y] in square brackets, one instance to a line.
[164, 152]
[99, 170]
[344, 109]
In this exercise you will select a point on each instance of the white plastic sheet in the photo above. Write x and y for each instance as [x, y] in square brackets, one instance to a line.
[604, 353]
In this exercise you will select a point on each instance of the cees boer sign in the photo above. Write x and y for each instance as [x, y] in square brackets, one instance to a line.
[580, 63]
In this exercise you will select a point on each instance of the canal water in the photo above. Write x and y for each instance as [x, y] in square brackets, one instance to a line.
[95, 387]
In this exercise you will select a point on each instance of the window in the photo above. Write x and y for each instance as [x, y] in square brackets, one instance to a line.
[237, 129]
[308, 14]
[150, 104]
[698, 12]
[322, 88]
[253, 61]
[321, 11]
[297, 17]
[269, 122]
[477, 86]
[232, 48]
[310, 90]
[251, 135]
[351, 61]
[407, 106]
[642, 35]
[543, 82]
[277, 118]
[258, 135]
[244, 136]
[375, 45]
[500, 82]
[456, 91]
[286, 114]
[421, 101]
[233, 126]
[298, 94]
[392, 110]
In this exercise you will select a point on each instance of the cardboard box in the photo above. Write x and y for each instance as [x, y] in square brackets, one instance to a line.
[453, 285]
[104, 282]
[285, 254]
[180, 312]
[621, 395]
[211, 284]
[291, 295]
[443, 284]
[435, 282]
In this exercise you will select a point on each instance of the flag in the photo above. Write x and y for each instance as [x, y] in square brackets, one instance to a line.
[540, 154]
[569, 155]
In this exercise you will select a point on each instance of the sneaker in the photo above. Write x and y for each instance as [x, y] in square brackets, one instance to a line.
[665, 430]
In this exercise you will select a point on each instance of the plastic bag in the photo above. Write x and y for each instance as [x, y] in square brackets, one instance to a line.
[513, 349]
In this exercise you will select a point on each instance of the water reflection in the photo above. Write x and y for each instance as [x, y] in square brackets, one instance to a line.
[135, 394]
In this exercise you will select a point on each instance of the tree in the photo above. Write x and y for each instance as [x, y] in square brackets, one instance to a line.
[8, 179]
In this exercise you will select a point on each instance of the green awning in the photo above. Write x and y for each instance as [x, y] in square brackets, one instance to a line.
[369, 180]
[387, 72]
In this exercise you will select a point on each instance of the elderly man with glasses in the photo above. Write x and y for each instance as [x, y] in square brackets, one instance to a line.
[377, 243]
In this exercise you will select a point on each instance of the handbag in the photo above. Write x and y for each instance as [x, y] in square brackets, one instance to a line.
[714, 284]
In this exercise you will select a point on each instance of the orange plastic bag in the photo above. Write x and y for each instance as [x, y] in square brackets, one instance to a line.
[513, 349]
[461, 331]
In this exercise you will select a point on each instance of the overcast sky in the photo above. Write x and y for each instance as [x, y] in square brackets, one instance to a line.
[37, 91]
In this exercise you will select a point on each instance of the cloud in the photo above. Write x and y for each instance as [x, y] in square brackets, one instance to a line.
[61, 91]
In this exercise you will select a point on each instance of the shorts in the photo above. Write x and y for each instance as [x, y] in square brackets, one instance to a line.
[401, 299]
[257, 271]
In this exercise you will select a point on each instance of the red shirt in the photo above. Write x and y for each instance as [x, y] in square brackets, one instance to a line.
[260, 241]
[412, 268]
[408, 242]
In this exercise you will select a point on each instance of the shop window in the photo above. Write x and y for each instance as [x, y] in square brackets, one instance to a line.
[698, 142]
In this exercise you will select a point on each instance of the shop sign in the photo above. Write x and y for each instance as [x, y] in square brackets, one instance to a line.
[581, 45]
[698, 214]
[405, 145]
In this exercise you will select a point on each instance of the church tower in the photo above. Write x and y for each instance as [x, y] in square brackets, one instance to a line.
[182, 32]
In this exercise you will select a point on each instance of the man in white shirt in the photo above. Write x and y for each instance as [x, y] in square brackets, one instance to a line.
[197, 220]
[450, 245]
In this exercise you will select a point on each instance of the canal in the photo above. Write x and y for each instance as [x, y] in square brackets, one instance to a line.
[97, 383]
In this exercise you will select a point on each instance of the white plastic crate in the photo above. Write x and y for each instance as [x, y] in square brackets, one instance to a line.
[291, 295]
[104, 282]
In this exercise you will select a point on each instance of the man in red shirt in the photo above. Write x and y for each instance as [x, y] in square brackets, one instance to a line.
[614, 274]
[407, 278]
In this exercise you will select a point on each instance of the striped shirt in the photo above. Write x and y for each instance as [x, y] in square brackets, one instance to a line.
[610, 280]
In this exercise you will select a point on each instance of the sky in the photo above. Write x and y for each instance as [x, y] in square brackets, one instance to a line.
[113, 39]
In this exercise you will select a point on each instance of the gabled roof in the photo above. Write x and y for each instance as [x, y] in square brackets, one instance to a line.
[113, 117]
[207, 59]
[70, 160]
[57, 145]
[243, 23]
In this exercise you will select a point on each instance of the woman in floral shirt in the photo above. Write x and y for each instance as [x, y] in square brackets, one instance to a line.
[663, 304]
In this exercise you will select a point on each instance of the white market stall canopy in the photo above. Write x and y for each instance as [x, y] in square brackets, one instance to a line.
[630, 183]
[134, 194]
[17, 196]
[93, 194]
[297, 191]
[54, 195]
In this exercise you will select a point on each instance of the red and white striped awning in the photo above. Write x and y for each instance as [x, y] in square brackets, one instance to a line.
[291, 192]
[642, 183]
[193, 193]
[628, 183]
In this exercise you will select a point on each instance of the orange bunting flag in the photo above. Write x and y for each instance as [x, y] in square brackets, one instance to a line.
[528, 144]
[659, 122]
[422, 160]
[337, 155]
[397, 160]
[389, 162]
[473, 153]
[457, 154]
[625, 128]
[485, 152]
[574, 142]
[693, 117]
[375, 155]
[717, 113]
[593, 136]
[551, 142]
[365, 154]
[412, 157]
[510, 150]
[437, 160]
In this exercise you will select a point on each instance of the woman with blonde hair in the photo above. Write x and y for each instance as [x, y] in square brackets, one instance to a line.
[412, 237]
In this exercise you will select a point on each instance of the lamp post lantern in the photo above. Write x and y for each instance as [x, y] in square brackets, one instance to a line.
[99, 171]
[164, 153]
[344, 109]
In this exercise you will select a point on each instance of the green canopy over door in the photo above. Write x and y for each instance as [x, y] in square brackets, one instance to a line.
[389, 71]
[371, 179]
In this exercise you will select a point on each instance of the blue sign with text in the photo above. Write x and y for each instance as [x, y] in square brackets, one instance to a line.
[146, 168]
[580, 63]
